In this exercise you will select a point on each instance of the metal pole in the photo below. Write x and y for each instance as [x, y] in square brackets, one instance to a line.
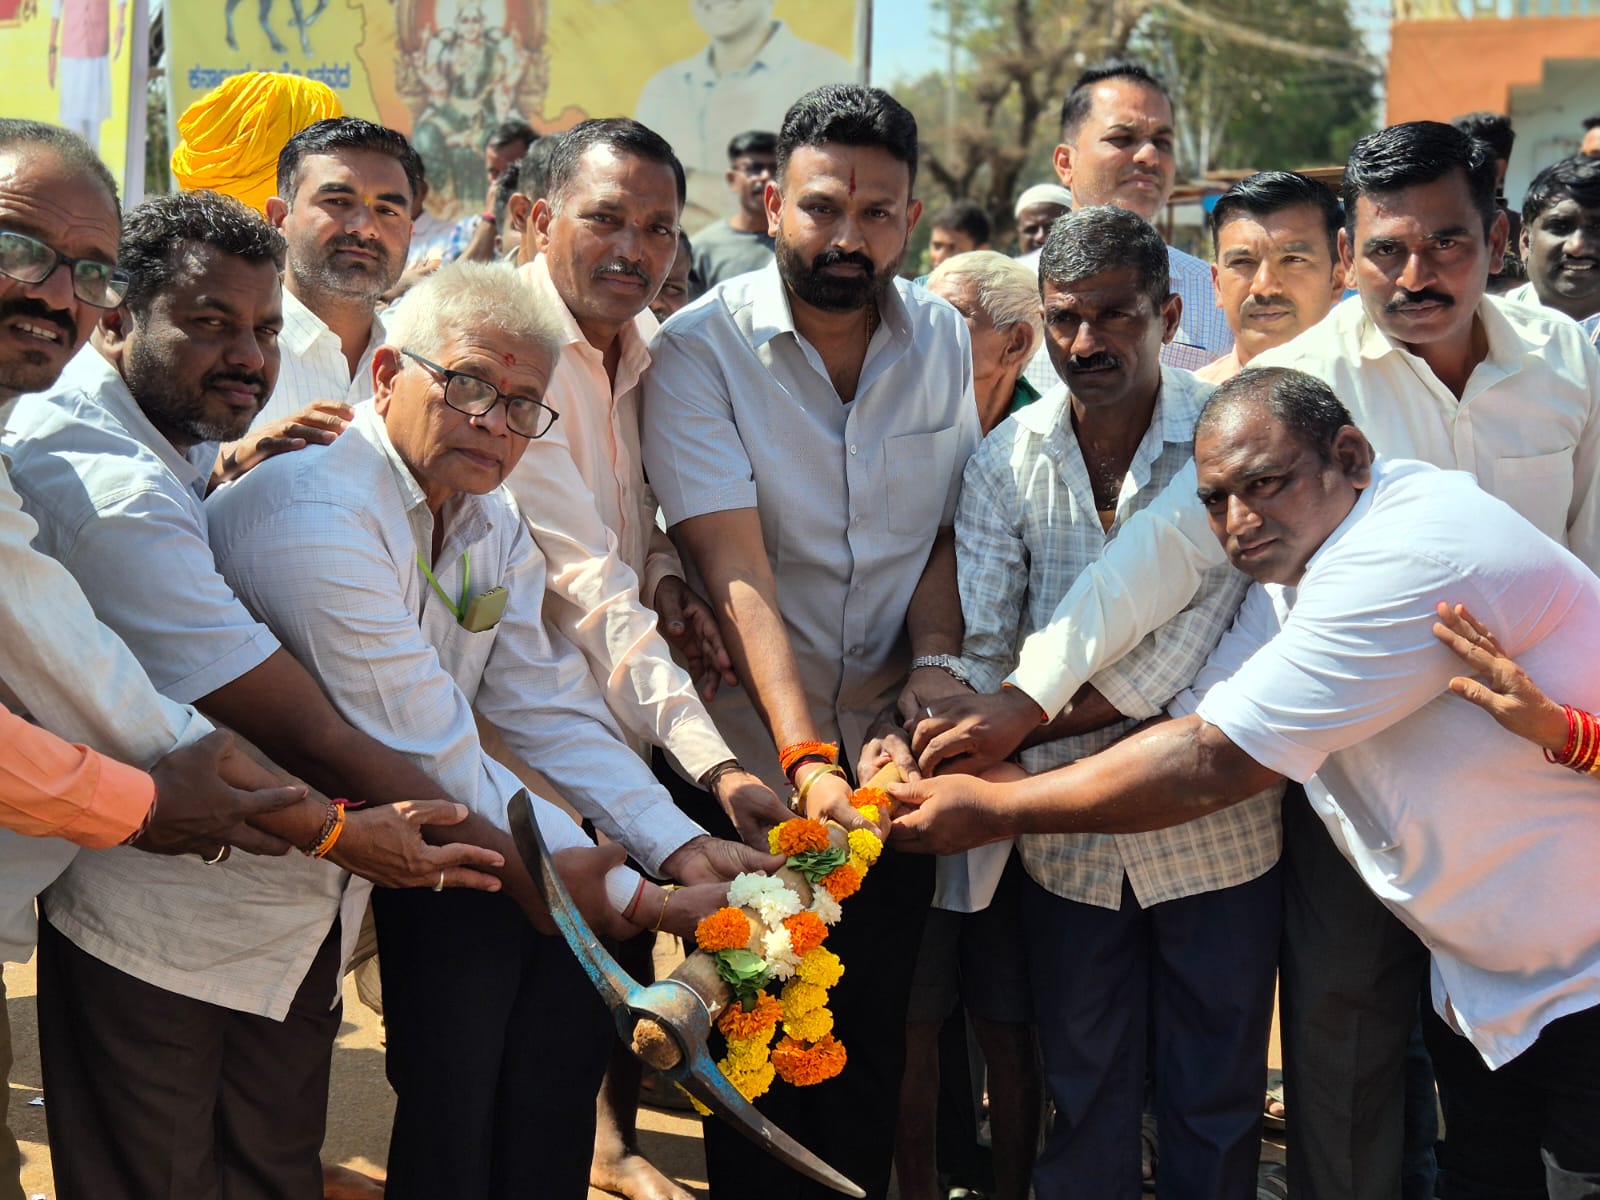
[864, 39]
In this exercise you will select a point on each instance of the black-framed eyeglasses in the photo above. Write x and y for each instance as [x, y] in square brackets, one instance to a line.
[28, 260]
[525, 416]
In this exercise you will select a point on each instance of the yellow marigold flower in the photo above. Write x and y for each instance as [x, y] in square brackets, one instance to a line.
[821, 967]
[801, 997]
[747, 1054]
[870, 812]
[735, 1023]
[725, 929]
[751, 1084]
[810, 1027]
[693, 1103]
[798, 836]
[842, 882]
[865, 845]
[805, 1065]
[806, 932]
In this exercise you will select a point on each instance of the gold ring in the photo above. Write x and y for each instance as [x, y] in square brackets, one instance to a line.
[439, 887]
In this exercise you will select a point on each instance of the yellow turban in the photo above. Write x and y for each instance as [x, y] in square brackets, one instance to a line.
[233, 134]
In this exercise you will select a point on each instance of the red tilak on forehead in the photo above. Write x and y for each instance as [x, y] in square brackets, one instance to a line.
[511, 359]
[852, 181]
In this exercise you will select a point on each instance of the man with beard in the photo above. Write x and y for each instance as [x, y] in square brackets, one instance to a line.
[1561, 241]
[1432, 369]
[345, 189]
[741, 242]
[840, 398]
[126, 971]
[58, 251]
[596, 249]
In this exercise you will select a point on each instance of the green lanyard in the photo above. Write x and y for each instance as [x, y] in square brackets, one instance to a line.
[458, 610]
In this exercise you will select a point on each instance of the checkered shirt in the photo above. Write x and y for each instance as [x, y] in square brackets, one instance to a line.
[1025, 529]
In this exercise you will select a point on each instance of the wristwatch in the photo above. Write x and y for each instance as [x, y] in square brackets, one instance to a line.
[948, 663]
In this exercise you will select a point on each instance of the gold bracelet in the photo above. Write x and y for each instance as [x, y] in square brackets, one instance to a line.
[666, 898]
[800, 793]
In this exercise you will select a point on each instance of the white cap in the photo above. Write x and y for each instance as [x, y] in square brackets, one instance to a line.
[1043, 193]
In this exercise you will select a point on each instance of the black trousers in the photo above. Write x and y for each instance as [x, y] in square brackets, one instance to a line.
[1530, 1129]
[154, 1096]
[849, 1121]
[497, 1045]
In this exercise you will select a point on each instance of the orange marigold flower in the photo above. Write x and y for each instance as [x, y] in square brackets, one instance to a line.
[842, 882]
[736, 1024]
[799, 835]
[806, 932]
[804, 1065]
[725, 929]
[864, 796]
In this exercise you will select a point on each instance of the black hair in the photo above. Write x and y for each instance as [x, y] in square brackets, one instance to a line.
[1492, 127]
[158, 232]
[1415, 153]
[849, 114]
[618, 134]
[1591, 123]
[1577, 178]
[1268, 192]
[533, 172]
[966, 217]
[1080, 97]
[505, 186]
[752, 141]
[507, 132]
[697, 283]
[1301, 403]
[345, 133]
[71, 149]
[1091, 241]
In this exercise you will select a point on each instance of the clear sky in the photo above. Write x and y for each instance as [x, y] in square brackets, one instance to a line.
[906, 39]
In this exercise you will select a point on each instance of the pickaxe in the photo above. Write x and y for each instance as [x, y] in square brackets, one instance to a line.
[672, 1005]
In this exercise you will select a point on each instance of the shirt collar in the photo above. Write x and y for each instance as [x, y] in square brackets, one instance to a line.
[91, 373]
[635, 336]
[302, 329]
[777, 49]
[1178, 403]
[1508, 343]
[466, 514]
[771, 315]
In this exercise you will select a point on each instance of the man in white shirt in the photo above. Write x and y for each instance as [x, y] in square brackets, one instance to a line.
[1117, 148]
[395, 563]
[1332, 676]
[749, 72]
[59, 227]
[1433, 369]
[1276, 237]
[805, 427]
[1561, 241]
[99, 461]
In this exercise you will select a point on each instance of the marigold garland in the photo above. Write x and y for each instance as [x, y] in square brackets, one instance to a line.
[821, 967]
[876, 797]
[810, 1027]
[798, 997]
[725, 929]
[843, 881]
[737, 1022]
[804, 1065]
[865, 845]
[798, 836]
[806, 932]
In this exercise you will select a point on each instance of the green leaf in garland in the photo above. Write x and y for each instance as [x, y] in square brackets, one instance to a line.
[745, 972]
[814, 864]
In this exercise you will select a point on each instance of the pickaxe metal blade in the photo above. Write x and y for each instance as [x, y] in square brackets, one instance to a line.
[671, 1004]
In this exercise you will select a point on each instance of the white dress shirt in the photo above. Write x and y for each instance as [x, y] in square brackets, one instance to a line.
[326, 545]
[581, 488]
[699, 110]
[1027, 526]
[313, 366]
[1527, 428]
[1528, 294]
[77, 679]
[1203, 334]
[739, 412]
[1462, 829]
[121, 508]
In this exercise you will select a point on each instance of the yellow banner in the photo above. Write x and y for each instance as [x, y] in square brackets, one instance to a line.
[445, 72]
[67, 62]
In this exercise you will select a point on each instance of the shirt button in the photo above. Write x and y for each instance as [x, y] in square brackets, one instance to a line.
[855, 651]
[852, 447]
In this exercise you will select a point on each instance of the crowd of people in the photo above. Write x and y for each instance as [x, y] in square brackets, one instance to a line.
[1213, 614]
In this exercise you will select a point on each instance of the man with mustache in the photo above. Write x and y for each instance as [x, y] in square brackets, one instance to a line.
[597, 245]
[345, 188]
[104, 464]
[805, 427]
[1276, 235]
[59, 225]
[1561, 241]
[1171, 934]
[741, 242]
[1433, 369]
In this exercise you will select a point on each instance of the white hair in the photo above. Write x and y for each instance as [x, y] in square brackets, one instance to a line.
[1008, 291]
[473, 297]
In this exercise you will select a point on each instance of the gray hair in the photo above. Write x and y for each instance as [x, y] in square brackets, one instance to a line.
[1008, 292]
[475, 297]
[1090, 241]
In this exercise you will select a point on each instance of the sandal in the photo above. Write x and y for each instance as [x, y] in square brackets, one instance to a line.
[1149, 1152]
[1274, 1096]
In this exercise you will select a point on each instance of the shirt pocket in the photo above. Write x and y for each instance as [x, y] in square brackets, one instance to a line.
[918, 469]
[1539, 486]
[464, 655]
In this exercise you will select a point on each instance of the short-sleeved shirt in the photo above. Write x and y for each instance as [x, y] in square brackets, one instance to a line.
[721, 252]
[1462, 829]
[739, 412]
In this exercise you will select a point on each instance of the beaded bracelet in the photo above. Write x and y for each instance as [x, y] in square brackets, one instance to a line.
[331, 829]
